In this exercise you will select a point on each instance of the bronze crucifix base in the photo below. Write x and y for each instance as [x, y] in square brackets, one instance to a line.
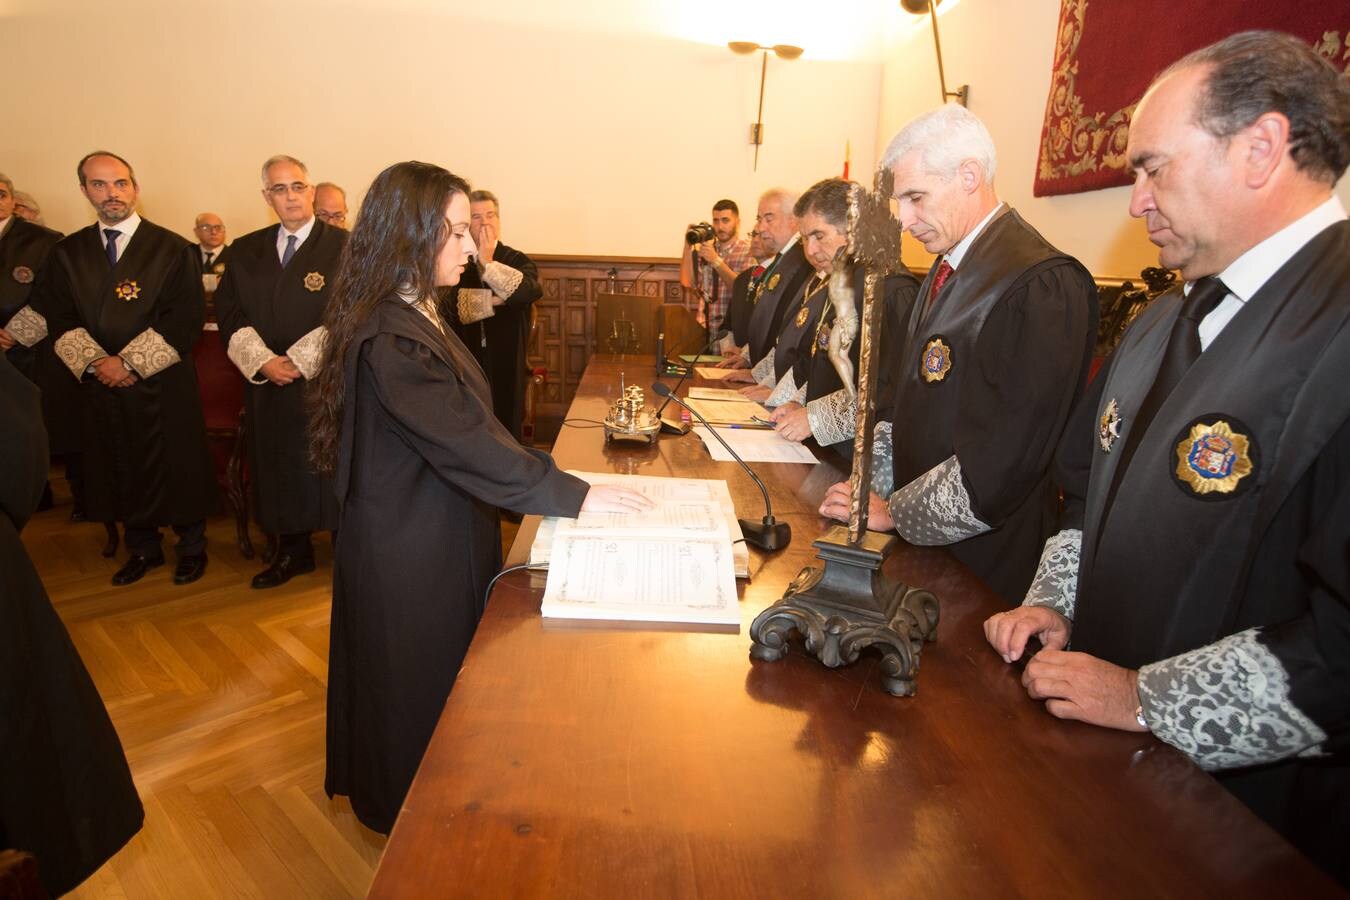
[848, 606]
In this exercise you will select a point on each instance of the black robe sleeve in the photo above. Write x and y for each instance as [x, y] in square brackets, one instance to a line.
[450, 426]
[1014, 407]
[529, 290]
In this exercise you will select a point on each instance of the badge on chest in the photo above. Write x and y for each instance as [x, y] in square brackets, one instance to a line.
[314, 281]
[127, 290]
[936, 359]
[1215, 454]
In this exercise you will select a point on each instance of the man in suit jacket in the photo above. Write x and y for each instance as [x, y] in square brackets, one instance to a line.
[124, 304]
[270, 306]
[212, 252]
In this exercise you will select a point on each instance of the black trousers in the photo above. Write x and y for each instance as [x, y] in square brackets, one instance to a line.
[146, 540]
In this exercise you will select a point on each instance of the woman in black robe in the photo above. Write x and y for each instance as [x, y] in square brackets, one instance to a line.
[402, 415]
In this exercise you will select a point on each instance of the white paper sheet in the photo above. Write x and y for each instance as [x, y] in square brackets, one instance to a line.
[754, 445]
[712, 374]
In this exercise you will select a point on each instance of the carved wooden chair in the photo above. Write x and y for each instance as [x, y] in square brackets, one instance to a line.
[222, 391]
[1120, 304]
[534, 385]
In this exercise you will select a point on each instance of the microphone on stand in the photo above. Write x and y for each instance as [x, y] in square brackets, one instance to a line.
[766, 534]
[662, 369]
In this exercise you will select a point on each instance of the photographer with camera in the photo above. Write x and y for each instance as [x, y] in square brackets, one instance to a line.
[714, 254]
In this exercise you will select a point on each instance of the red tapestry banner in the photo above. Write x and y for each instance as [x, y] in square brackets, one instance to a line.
[1107, 52]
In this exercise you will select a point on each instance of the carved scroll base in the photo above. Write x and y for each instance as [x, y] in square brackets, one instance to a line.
[845, 607]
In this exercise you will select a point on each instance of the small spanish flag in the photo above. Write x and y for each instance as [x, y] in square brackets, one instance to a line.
[847, 148]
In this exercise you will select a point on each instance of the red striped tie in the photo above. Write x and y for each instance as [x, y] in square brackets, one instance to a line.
[944, 271]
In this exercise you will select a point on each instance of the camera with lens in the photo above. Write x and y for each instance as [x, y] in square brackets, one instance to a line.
[699, 234]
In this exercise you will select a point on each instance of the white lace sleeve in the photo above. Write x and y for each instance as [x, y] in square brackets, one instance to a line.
[934, 510]
[883, 460]
[307, 352]
[833, 418]
[762, 371]
[785, 391]
[1226, 705]
[248, 352]
[502, 278]
[1056, 581]
[27, 326]
[149, 354]
[77, 349]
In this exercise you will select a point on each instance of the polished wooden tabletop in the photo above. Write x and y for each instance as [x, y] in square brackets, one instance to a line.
[604, 760]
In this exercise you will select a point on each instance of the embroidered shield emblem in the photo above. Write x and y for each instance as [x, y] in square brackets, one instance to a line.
[23, 275]
[936, 360]
[218, 268]
[822, 341]
[1213, 458]
[314, 282]
[1108, 427]
[127, 291]
[773, 280]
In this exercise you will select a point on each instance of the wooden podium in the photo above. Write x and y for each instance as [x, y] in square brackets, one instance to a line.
[630, 323]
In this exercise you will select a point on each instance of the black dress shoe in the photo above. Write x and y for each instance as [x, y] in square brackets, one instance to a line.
[283, 570]
[135, 569]
[189, 569]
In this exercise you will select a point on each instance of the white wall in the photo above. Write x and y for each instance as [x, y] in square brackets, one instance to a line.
[604, 127]
[1004, 50]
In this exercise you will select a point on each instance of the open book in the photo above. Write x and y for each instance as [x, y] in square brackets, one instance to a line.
[674, 563]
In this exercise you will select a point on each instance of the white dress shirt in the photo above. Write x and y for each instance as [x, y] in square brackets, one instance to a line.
[957, 253]
[1249, 272]
[301, 235]
[127, 227]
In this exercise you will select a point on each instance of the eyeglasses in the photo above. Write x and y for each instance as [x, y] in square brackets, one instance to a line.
[333, 218]
[295, 187]
[210, 227]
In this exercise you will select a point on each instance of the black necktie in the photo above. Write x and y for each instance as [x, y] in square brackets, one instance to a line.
[1183, 349]
[206, 263]
[112, 234]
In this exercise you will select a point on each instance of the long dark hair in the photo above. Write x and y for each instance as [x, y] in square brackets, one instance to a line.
[398, 235]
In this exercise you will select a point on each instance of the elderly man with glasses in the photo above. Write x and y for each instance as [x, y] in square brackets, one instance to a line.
[270, 305]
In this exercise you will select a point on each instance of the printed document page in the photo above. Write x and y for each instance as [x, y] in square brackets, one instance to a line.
[754, 445]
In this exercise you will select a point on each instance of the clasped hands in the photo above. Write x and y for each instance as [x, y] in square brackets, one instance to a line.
[280, 371]
[112, 372]
[1073, 685]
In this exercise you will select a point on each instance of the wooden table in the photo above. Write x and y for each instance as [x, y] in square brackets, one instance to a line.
[594, 760]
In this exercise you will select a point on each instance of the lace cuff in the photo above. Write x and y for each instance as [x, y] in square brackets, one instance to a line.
[248, 353]
[307, 352]
[149, 354]
[502, 278]
[1056, 581]
[27, 326]
[883, 460]
[783, 392]
[762, 371]
[1226, 705]
[934, 509]
[473, 305]
[833, 418]
[77, 349]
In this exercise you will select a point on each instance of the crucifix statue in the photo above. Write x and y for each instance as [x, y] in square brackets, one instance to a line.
[847, 605]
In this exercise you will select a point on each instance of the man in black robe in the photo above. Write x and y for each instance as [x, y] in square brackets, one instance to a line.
[507, 282]
[124, 304]
[270, 306]
[810, 401]
[1201, 570]
[777, 289]
[738, 310]
[997, 352]
[212, 252]
[23, 251]
[66, 794]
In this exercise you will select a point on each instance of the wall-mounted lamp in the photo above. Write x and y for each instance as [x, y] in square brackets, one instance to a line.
[782, 51]
[918, 8]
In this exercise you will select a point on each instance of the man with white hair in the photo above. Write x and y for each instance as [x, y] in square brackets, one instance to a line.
[23, 251]
[26, 207]
[782, 281]
[270, 304]
[1199, 586]
[997, 352]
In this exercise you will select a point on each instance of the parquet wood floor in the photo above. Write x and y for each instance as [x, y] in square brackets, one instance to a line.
[217, 692]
